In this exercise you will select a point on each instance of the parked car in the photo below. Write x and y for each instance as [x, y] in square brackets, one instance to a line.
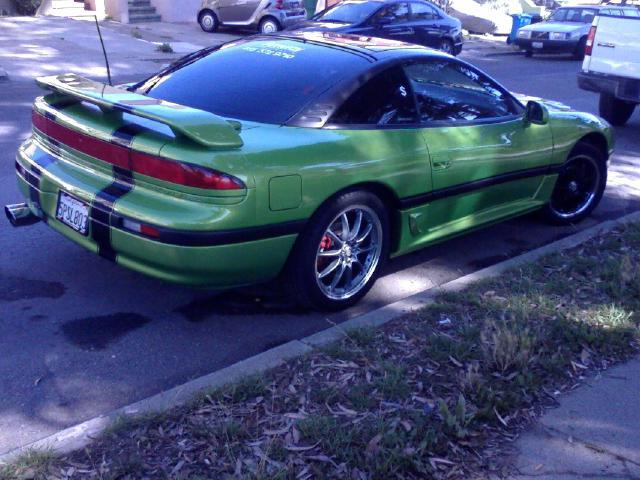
[266, 15]
[311, 156]
[611, 66]
[414, 21]
[564, 32]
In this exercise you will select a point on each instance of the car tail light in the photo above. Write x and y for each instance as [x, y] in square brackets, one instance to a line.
[141, 228]
[165, 169]
[590, 39]
[182, 173]
[279, 4]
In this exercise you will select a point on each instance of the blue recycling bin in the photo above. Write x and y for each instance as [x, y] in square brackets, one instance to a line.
[519, 21]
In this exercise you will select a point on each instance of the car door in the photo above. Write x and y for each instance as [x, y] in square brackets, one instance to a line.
[425, 21]
[237, 11]
[486, 161]
[393, 22]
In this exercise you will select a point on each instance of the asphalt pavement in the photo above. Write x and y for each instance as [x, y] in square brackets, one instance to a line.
[80, 336]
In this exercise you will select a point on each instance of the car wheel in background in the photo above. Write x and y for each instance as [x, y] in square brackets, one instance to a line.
[447, 46]
[528, 53]
[338, 257]
[208, 21]
[580, 185]
[578, 53]
[615, 111]
[269, 25]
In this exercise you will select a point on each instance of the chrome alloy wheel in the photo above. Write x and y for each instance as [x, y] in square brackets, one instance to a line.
[349, 252]
[207, 21]
[576, 187]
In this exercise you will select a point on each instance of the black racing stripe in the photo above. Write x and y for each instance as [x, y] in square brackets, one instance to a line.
[417, 200]
[102, 205]
[190, 238]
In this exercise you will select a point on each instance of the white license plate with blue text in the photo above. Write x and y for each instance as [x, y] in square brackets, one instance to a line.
[73, 212]
[537, 44]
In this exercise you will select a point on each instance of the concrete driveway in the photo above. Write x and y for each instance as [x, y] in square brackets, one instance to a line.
[80, 336]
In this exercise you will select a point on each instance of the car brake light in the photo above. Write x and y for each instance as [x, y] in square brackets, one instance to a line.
[183, 173]
[165, 169]
[590, 39]
[141, 228]
[279, 4]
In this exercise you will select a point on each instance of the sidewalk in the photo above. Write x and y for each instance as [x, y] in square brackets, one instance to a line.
[595, 433]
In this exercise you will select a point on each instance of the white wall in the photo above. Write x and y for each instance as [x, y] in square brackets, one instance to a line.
[181, 11]
[116, 9]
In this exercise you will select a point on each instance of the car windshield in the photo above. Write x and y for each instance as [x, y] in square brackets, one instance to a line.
[263, 80]
[577, 15]
[348, 12]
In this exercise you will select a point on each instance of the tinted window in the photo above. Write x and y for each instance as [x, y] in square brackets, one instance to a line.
[261, 80]
[395, 13]
[384, 100]
[578, 15]
[423, 11]
[450, 91]
[348, 12]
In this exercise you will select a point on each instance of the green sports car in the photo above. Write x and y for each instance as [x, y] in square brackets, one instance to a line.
[314, 156]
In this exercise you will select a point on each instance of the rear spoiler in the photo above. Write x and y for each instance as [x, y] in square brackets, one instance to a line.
[202, 127]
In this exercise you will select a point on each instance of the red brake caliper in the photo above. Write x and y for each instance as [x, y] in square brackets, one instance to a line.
[326, 242]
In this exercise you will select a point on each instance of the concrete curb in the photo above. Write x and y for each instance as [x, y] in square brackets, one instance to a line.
[80, 435]
[4, 76]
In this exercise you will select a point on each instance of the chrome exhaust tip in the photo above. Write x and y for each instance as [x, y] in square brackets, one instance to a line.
[20, 215]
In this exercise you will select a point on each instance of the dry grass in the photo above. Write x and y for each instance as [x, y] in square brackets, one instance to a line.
[437, 394]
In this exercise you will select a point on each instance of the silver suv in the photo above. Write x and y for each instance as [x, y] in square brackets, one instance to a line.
[267, 15]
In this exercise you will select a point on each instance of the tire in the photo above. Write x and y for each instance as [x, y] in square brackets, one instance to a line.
[269, 25]
[579, 187]
[330, 269]
[578, 53]
[528, 53]
[615, 111]
[447, 46]
[208, 21]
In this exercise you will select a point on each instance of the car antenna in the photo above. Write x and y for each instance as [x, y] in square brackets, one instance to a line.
[106, 60]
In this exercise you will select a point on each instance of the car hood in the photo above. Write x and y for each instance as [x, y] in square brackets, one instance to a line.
[562, 27]
[311, 26]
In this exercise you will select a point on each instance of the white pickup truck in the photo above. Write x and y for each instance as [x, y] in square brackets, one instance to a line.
[611, 64]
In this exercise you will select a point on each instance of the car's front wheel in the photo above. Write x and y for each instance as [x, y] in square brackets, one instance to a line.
[615, 111]
[338, 257]
[208, 21]
[447, 46]
[269, 25]
[579, 188]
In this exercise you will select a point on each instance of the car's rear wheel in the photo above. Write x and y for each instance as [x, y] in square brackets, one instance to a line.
[579, 187]
[578, 53]
[528, 53]
[269, 25]
[615, 111]
[208, 21]
[338, 257]
[447, 46]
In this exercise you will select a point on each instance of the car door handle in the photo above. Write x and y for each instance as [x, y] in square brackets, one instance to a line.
[441, 163]
[606, 45]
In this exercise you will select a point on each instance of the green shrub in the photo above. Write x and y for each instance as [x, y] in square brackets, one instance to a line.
[27, 7]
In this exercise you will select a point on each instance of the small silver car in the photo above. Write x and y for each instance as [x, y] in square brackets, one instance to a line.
[267, 15]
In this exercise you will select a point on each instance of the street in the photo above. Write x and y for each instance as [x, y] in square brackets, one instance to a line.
[80, 336]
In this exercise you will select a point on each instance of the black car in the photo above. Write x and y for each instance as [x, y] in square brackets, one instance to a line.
[413, 21]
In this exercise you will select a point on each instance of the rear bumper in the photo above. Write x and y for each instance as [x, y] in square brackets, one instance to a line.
[290, 20]
[548, 46]
[217, 258]
[620, 87]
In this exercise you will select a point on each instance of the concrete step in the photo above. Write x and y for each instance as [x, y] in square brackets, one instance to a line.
[139, 3]
[142, 10]
[67, 4]
[145, 18]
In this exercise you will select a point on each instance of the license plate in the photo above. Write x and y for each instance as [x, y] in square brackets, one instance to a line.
[73, 212]
[537, 45]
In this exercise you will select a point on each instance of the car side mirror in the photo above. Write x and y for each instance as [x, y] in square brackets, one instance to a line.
[536, 113]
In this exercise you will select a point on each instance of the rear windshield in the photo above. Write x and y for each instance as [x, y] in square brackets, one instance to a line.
[348, 12]
[265, 80]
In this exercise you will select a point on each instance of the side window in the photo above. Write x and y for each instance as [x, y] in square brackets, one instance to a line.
[394, 13]
[386, 99]
[423, 11]
[452, 92]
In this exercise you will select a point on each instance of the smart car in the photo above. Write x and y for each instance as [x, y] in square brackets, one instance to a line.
[266, 15]
[310, 157]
